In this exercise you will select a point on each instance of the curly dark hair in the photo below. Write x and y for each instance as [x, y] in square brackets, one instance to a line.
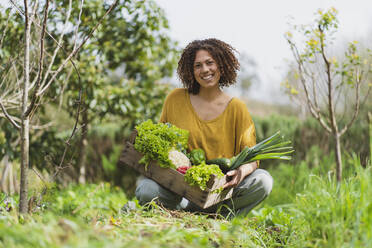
[221, 52]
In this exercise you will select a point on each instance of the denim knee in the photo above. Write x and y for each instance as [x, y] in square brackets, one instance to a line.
[260, 183]
[265, 181]
[146, 191]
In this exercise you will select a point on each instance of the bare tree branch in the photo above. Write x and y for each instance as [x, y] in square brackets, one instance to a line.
[357, 104]
[39, 175]
[315, 99]
[73, 53]
[58, 43]
[41, 58]
[64, 83]
[32, 19]
[329, 82]
[10, 118]
[78, 24]
[314, 112]
[51, 36]
[72, 134]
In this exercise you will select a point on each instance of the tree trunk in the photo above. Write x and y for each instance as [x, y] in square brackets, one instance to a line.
[23, 207]
[83, 148]
[338, 157]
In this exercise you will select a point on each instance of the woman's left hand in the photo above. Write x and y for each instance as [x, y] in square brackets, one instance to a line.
[239, 174]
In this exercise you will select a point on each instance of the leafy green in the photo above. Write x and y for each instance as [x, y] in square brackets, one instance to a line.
[197, 156]
[155, 140]
[199, 175]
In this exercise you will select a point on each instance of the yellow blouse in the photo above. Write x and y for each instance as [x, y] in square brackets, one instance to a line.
[224, 136]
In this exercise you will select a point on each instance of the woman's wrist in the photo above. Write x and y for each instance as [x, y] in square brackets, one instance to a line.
[247, 169]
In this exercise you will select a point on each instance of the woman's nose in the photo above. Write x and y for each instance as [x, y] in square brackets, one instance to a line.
[204, 68]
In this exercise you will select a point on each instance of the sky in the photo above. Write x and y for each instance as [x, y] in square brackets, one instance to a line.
[257, 27]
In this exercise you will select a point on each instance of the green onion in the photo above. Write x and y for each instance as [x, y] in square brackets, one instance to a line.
[271, 148]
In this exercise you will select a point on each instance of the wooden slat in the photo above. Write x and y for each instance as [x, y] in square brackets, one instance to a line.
[133, 136]
[173, 180]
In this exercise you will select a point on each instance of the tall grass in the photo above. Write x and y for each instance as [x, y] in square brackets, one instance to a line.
[339, 215]
[326, 213]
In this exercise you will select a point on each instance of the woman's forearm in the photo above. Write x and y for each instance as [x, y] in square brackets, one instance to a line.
[247, 169]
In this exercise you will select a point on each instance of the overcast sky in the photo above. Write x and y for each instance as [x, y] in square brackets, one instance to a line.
[256, 27]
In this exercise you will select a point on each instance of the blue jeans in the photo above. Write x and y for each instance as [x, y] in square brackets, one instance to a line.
[248, 194]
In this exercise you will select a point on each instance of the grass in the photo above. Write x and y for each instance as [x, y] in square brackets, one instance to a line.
[307, 208]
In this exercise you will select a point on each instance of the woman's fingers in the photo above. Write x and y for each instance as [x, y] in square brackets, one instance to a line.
[231, 173]
[233, 179]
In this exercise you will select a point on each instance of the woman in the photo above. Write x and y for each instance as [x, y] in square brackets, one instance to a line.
[219, 124]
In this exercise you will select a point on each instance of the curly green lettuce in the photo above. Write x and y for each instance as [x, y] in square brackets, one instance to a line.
[199, 175]
[156, 140]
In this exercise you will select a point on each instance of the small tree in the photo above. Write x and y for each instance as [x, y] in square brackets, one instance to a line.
[32, 69]
[329, 86]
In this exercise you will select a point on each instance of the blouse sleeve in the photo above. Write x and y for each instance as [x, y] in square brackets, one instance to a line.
[245, 129]
[248, 132]
[163, 116]
[164, 111]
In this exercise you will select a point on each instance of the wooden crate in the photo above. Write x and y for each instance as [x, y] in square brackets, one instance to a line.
[173, 180]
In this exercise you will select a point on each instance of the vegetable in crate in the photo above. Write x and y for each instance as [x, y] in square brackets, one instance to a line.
[199, 175]
[178, 158]
[271, 148]
[197, 156]
[162, 143]
[183, 169]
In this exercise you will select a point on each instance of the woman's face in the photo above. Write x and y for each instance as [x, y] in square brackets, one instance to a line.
[206, 71]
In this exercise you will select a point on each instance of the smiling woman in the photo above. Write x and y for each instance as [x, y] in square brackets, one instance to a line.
[206, 71]
[217, 123]
[216, 55]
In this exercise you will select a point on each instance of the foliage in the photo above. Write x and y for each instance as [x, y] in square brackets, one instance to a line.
[109, 163]
[199, 175]
[121, 66]
[302, 211]
[131, 45]
[155, 140]
[322, 204]
[118, 68]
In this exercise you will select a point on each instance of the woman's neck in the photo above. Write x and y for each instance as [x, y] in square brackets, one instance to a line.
[210, 94]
